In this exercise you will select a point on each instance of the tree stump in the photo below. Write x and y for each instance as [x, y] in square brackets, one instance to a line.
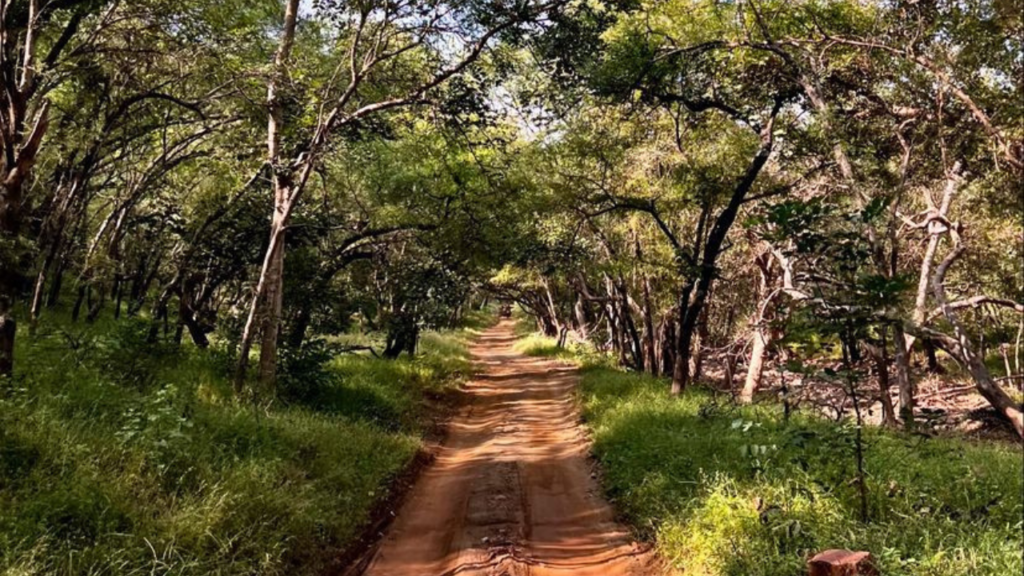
[842, 563]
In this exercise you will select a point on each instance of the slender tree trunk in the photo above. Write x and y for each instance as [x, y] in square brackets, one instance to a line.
[53, 297]
[270, 287]
[8, 328]
[37, 295]
[681, 361]
[21, 141]
[936, 228]
[755, 368]
[666, 360]
[77, 309]
[697, 359]
[650, 345]
[880, 355]
[273, 263]
[580, 311]
[272, 319]
[10, 277]
[629, 327]
[549, 302]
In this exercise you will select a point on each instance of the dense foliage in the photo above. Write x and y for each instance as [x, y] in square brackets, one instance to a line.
[821, 195]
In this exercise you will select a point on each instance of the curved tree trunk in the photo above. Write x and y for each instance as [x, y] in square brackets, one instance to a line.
[986, 385]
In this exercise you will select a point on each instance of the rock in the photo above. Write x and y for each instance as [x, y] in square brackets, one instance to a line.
[843, 563]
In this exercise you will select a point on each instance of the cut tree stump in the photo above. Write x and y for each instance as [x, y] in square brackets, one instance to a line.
[843, 563]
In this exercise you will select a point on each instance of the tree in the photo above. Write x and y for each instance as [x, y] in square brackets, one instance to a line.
[376, 38]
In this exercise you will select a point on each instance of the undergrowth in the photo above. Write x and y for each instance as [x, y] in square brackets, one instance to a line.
[123, 457]
[742, 491]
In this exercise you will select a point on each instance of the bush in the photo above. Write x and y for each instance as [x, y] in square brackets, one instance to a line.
[304, 372]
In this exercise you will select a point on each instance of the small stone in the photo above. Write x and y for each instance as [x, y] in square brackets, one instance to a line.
[842, 563]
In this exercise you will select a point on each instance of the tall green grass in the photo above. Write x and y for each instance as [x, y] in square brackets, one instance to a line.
[742, 491]
[121, 457]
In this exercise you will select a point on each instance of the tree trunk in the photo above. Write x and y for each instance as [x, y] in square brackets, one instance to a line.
[690, 311]
[297, 335]
[269, 288]
[983, 380]
[666, 360]
[755, 368]
[37, 296]
[936, 228]
[650, 346]
[932, 360]
[10, 227]
[271, 324]
[19, 148]
[904, 383]
[8, 327]
[697, 359]
[630, 334]
[257, 305]
[880, 355]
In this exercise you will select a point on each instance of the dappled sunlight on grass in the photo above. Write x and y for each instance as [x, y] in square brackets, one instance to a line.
[726, 490]
[122, 457]
[534, 344]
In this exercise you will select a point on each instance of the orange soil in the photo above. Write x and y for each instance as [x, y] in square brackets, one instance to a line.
[511, 492]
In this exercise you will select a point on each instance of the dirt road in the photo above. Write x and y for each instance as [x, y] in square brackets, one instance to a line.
[511, 492]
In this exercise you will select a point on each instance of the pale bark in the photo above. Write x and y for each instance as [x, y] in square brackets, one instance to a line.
[271, 323]
[755, 368]
[762, 336]
[904, 384]
[983, 380]
[936, 225]
[269, 286]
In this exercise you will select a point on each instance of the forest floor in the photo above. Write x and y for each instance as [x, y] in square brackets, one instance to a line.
[512, 490]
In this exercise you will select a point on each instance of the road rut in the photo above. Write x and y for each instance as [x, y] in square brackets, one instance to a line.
[511, 492]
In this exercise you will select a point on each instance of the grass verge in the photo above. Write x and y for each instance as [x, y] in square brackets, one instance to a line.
[742, 491]
[122, 457]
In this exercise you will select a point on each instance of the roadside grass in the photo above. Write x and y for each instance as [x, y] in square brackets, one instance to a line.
[122, 457]
[538, 345]
[742, 491]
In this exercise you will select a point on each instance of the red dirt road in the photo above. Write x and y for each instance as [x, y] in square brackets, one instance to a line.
[511, 491]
